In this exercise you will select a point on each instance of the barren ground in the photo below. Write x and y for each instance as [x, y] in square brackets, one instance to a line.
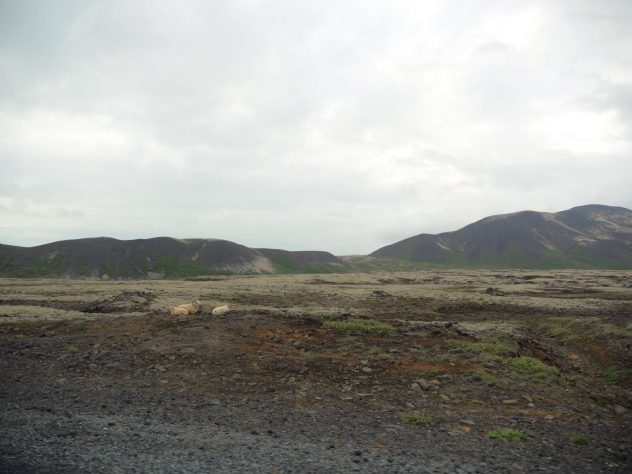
[95, 376]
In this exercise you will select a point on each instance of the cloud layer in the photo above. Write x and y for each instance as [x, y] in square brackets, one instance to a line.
[340, 126]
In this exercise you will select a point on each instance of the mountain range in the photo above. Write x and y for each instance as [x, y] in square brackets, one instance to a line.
[159, 257]
[592, 236]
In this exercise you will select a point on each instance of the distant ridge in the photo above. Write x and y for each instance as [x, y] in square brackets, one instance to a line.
[160, 257]
[591, 236]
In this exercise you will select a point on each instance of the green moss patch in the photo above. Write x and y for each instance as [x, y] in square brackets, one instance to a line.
[507, 434]
[357, 327]
[534, 367]
[416, 418]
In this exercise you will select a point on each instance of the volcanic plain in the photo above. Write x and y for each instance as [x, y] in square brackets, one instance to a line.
[426, 371]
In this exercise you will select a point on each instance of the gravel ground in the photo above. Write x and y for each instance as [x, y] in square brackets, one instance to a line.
[127, 444]
[270, 390]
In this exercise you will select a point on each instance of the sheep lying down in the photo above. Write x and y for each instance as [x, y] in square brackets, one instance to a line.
[221, 310]
[193, 308]
[186, 309]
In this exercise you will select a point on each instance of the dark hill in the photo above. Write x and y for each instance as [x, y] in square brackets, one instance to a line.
[159, 257]
[285, 261]
[591, 236]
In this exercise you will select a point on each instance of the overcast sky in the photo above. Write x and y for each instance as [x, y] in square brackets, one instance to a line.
[333, 125]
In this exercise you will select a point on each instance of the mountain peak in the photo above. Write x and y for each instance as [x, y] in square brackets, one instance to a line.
[590, 236]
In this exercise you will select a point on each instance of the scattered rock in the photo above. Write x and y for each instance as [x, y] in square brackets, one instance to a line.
[511, 401]
[619, 410]
[159, 368]
[495, 292]
[423, 384]
[367, 370]
[381, 294]
[125, 301]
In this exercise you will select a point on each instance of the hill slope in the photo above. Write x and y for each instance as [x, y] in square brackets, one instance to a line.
[153, 258]
[591, 236]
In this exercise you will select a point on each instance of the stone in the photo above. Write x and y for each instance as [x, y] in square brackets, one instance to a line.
[619, 410]
[367, 370]
[159, 368]
[381, 294]
[415, 386]
[512, 401]
[495, 292]
[423, 383]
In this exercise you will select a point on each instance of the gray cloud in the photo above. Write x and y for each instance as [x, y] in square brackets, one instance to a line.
[337, 126]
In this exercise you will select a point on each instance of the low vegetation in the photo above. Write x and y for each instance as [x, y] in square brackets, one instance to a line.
[507, 434]
[416, 418]
[534, 367]
[494, 347]
[579, 440]
[357, 327]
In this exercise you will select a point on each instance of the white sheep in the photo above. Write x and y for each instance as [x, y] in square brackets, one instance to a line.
[221, 310]
[186, 309]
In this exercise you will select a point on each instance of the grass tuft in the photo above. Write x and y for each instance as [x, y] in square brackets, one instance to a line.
[356, 327]
[507, 434]
[489, 379]
[494, 347]
[579, 440]
[415, 418]
[533, 366]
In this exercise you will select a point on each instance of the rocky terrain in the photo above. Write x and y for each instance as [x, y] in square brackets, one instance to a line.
[438, 371]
